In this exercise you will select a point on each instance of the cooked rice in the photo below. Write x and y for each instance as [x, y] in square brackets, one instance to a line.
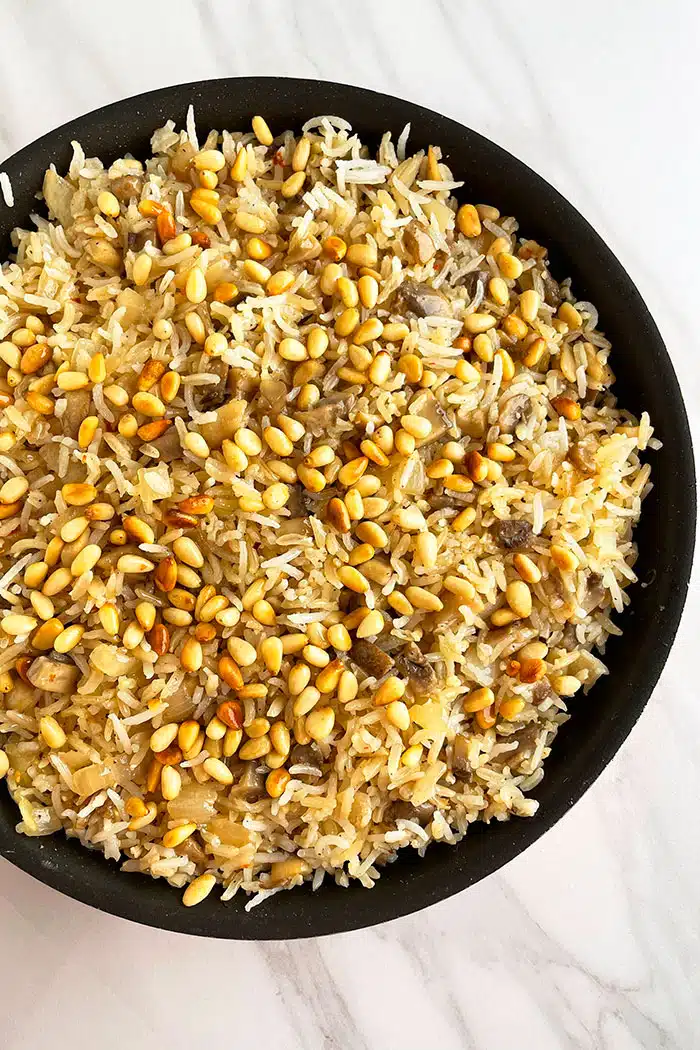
[6, 188]
[351, 799]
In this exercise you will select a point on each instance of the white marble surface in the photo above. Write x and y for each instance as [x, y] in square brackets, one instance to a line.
[589, 940]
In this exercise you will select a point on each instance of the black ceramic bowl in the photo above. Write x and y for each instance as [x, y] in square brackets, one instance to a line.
[646, 380]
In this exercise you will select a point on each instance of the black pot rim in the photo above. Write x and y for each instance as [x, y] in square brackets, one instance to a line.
[410, 884]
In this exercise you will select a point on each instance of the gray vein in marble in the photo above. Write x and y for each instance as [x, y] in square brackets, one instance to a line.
[302, 970]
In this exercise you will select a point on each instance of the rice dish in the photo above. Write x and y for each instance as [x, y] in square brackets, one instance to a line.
[315, 506]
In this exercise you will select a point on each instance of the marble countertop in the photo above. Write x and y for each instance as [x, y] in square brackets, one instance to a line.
[591, 938]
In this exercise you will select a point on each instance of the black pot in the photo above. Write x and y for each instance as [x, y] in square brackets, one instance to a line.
[646, 380]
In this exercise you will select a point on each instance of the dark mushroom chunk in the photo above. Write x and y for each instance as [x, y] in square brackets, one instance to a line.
[526, 741]
[251, 783]
[193, 851]
[349, 600]
[309, 505]
[542, 691]
[526, 280]
[552, 291]
[401, 810]
[77, 408]
[168, 444]
[213, 396]
[53, 674]
[513, 535]
[302, 504]
[595, 592]
[306, 755]
[370, 658]
[412, 664]
[127, 188]
[446, 501]
[423, 300]
[473, 281]
[512, 412]
[135, 242]
[418, 244]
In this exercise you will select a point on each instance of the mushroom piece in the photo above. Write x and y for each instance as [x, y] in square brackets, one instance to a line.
[413, 665]
[53, 674]
[423, 300]
[323, 415]
[448, 501]
[370, 658]
[168, 444]
[474, 281]
[513, 534]
[251, 783]
[526, 740]
[214, 396]
[512, 411]
[427, 405]
[542, 691]
[401, 810]
[192, 850]
[77, 408]
[418, 244]
[301, 503]
[306, 755]
[552, 291]
[595, 592]
[136, 242]
[58, 195]
[472, 423]
[127, 188]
